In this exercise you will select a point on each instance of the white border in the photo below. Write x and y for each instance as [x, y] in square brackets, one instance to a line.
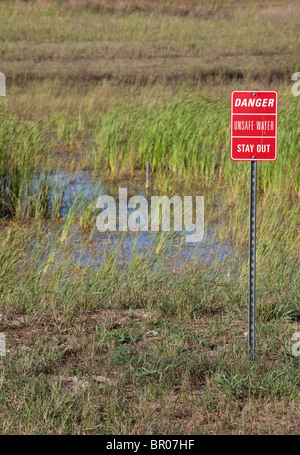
[249, 137]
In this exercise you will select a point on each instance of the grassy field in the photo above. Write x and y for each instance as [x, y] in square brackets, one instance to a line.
[225, 40]
[145, 346]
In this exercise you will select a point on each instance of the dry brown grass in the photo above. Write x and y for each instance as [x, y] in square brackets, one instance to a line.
[84, 359]
[177, 7]
[235, 41]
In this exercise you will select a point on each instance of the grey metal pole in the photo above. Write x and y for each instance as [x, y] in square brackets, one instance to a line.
[252, 259]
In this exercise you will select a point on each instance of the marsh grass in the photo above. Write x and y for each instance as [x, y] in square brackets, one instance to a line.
[144, 346]
[190, 138]
[115, 350]
[21, 148]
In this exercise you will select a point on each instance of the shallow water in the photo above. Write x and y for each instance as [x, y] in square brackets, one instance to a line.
[92, 253]
[89, 248]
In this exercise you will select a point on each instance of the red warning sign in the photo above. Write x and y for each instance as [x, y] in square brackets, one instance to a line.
[253, 125]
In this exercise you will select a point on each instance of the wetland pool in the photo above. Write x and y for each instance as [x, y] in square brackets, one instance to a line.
[89, 247]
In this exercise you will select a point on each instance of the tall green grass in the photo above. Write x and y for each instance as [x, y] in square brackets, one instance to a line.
[21, 149]
[191, 137]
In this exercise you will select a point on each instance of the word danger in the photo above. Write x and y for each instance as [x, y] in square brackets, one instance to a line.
[254, 102]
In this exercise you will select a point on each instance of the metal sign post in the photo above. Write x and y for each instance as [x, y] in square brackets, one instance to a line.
[252, 258]
[253, 138]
